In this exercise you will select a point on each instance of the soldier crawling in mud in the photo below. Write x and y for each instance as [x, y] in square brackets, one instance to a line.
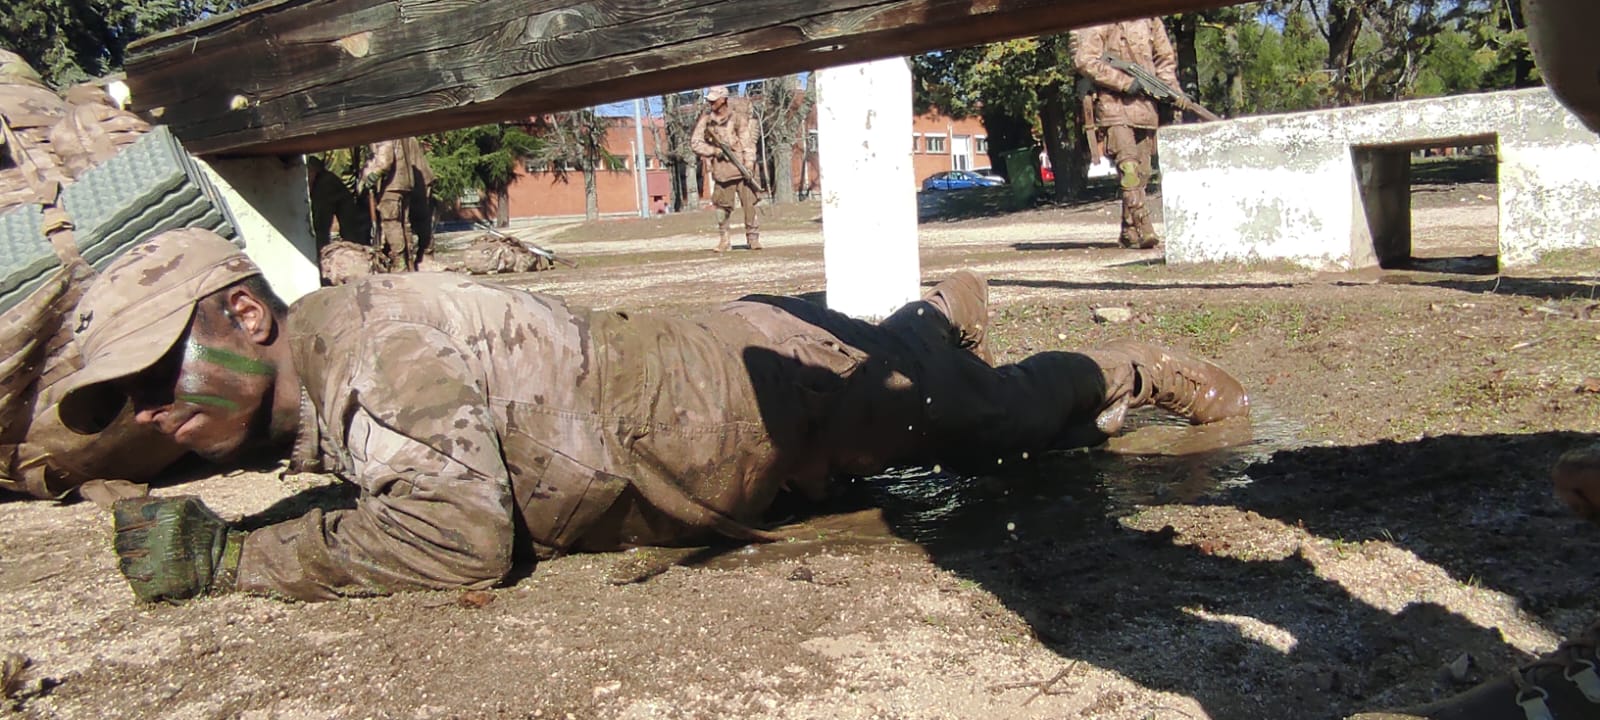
[725, 134]
[464, 410]
[1124, 112]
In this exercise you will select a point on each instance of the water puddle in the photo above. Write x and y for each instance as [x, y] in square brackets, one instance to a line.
[1157, 459]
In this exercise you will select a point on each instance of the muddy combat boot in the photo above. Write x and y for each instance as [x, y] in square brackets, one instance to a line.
[722, 244]
[1140, 374]
[753, 239]
[1140, 233]
[1560, 686]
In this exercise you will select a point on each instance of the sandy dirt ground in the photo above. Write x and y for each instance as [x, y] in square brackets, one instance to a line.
[1386, 511]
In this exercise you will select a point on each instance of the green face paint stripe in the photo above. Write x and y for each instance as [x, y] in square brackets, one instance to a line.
[212, 400]
[229, 360]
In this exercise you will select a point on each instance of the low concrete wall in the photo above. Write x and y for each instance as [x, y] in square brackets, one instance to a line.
[1330, 189]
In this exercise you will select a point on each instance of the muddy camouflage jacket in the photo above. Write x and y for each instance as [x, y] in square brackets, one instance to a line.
[406, 158]
[1143, 42]
[736, 129]
[464, 411]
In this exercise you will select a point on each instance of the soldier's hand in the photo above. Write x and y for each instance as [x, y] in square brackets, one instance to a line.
[368, 182]
[174, 548]
[1577, 480]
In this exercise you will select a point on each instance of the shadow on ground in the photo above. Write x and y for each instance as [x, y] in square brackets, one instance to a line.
[1060, 543]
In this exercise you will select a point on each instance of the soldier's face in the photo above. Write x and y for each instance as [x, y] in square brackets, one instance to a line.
[208, 393]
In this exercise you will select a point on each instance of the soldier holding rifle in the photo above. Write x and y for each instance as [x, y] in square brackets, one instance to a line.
[1124, 107]
[726, 135]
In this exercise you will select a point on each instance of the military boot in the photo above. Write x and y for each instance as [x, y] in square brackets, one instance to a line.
[1139, 374]
[722, 244]
[1562, 685]
[753, 239]
[1140, 232]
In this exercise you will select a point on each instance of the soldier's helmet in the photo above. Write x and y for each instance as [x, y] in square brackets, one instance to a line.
[136, 310]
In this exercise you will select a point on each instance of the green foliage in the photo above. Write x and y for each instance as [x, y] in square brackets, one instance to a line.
[69, 41]
[478, 158]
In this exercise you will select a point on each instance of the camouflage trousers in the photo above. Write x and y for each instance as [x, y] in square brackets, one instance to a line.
[1131, 150]
[395, 240]
[722, 198]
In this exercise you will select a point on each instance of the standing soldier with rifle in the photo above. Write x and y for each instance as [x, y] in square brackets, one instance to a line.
[727, 136]
[1124, 107]
[397, 176]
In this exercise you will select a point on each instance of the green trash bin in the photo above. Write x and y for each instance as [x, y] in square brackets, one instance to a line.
[1022, 169]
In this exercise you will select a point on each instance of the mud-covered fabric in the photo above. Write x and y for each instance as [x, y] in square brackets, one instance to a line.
[490, 255]
[735, 128]
[342, 261]
[464, 410]
[1142, 42]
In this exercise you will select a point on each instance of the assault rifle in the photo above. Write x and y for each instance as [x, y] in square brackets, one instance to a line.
[535, 249]
[1152, 86]
[727, 152]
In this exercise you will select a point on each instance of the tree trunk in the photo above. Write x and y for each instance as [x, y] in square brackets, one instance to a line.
[783, 186]
[1184, 30]
[591, 195]
[1054, 112]
[691, 182]
[1345, 18]
[502, 207]
[1006, 133]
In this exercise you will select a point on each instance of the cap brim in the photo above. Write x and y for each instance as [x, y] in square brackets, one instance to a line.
[88, 401]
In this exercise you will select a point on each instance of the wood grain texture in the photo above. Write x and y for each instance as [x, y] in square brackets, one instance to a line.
[305, 75]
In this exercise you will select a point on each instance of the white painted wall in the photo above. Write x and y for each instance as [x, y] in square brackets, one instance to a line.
[1284, 186]
[869, 200]
[271, 201]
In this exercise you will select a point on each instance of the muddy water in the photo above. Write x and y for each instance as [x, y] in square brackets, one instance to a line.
[1158, 459]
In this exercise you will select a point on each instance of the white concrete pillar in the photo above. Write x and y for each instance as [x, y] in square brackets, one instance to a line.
[271, 201]
[869, 197]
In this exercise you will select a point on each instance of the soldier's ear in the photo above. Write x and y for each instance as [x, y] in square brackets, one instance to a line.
[250, 314]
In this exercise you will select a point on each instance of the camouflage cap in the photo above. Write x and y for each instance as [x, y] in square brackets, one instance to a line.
[716, 92]
[136, 310]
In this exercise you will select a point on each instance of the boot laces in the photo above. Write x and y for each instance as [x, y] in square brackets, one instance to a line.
[1578, 660]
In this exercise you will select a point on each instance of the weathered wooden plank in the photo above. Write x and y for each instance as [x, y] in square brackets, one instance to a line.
[306, 75]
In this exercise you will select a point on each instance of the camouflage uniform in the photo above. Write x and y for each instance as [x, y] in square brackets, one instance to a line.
[1128, 119]
[465, 411]
[735, 128]
[30, 110]
[342, 261]
[49, 142]
[404, 177]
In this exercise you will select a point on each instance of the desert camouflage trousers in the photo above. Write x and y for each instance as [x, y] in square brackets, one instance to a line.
[1131, 150]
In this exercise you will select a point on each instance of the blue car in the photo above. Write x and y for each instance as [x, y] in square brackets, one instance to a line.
[959, 180]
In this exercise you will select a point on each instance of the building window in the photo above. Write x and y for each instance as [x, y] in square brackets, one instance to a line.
[980, 145]
[811, 141]
[935, 143]
[470, 198]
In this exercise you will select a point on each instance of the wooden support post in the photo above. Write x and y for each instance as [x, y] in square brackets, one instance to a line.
[869, 198]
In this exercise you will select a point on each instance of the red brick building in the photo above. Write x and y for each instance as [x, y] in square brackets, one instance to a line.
[937, 144]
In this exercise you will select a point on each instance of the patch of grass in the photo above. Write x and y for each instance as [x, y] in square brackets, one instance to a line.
[1581, 260]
